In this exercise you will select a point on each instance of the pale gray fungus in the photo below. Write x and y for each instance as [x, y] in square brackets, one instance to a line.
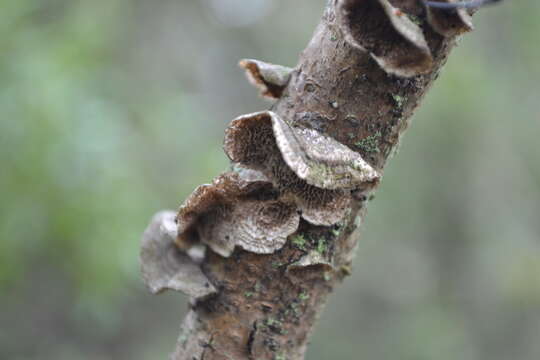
[317, 159]
[164, 266]
[321, 160]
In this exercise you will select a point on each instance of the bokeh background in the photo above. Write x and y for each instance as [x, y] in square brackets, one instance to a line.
[111, 110]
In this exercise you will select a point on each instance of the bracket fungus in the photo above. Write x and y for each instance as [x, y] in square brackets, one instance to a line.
[164, 266]
[318, 206]
[237, 209]
[249, 140]
[314, 262]
[316, 171]
[319, 160]
[449, 22]
[313, 258]
[395, 42]
[270, 79]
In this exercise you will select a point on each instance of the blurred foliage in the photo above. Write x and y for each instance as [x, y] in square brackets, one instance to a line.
[112, 109]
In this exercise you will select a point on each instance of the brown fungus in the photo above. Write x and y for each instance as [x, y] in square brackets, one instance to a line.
[249, 140]
[318, 206]
[270, 79]
[164, 266]
[395, 42]
[449, 22]
[314, 171]
[322, 207]
[237, 209]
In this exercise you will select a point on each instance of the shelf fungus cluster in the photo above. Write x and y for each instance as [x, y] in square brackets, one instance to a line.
[394, 39]
[315, 172]
[286, 172]
[282, 174]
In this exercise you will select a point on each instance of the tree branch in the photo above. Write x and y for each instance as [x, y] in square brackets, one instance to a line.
[280, 228]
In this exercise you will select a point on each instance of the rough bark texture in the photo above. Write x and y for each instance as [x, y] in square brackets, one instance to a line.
[266, 304]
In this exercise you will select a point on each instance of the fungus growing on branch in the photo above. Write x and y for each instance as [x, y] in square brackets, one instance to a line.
[270, 79]
[164, 266]
[449, 22]
[317, 171]
[395, 42]
[236, 211]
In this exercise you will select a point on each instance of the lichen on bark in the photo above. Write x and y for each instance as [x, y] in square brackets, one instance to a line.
[361, 77]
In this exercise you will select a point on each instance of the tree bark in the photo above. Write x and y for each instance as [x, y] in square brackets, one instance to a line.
[358, 81]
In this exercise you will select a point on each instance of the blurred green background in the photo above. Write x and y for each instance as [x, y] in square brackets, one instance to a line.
[111, 110]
